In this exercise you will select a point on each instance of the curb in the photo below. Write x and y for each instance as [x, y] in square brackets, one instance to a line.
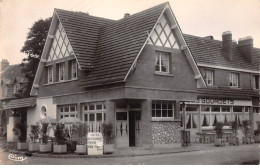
[76, 156]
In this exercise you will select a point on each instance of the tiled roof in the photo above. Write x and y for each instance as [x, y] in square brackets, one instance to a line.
[119, 45]
[209, 52]
[12, 73]
[19, 103]
[227, 93]
[82, 31]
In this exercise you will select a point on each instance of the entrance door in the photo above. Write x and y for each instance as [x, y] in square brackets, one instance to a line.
[131, 128]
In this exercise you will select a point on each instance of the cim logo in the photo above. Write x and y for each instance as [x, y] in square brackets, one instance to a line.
[13, 157]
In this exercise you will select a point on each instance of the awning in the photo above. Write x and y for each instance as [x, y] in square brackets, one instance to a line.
[19, 103]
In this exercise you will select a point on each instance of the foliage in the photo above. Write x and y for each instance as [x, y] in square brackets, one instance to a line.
[219, 129]
[234, 127]
[107, 131]
[79, 131]
[59, 134]
[257, 132]
[33, 47]
[34, 134]
[44, 133]
[20, 129]
[246, 127]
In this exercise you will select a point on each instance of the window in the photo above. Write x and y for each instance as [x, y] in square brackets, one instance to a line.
[74, 73]
[234, 79]
[61, 67]
[215, 108]
[191, 108]
[209, 77]
[162, 62]
[17, 86]
[50, 74]
[69, 110]
[94, 115]
[162, 109]
[256, 82]
[238, 109]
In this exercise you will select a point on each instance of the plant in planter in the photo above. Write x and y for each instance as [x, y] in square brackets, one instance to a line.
[20, 130]
[246, 129]
[257, 133]
[233, 139]
[219, 131]
[60, 140]
[34, 138]
[79, 132]
[45, 146]
[108, 135]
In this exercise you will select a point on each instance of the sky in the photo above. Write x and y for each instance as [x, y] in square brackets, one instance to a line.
[196, 17]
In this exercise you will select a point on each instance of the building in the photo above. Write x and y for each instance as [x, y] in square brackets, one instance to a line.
[12, 81]
[138, 73]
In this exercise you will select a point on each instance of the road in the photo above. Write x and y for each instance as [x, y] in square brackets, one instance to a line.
[220, 155]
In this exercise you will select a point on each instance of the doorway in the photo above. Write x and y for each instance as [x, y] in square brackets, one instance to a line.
[131, 128]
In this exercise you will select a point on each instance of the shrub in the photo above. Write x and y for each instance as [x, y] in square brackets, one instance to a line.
[246, 127]
[219, 129]
[79, 131]
[59, 134]
[44, 133]
[20, 129]
[234, 127]
[107, 131]
[34, 134]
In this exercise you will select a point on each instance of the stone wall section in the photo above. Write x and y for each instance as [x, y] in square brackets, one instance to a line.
[166, 132]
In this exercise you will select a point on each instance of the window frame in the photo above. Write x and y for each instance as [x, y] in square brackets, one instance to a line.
[231, 79]
[74, 65]
[211, 71]
[158, 55]
[48, 72]
[63, 113]
[256, 82]
[62, 64]
[17, 87]
[161, 118]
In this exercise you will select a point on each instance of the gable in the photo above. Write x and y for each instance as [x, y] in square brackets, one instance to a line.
[162, 35]
[60, 47]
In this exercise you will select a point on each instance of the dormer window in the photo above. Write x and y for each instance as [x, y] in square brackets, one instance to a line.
[234, 79]
[17, 86]
[209, 77]
[256, 82]
[61, 71]
[74, 73]
[162, 62]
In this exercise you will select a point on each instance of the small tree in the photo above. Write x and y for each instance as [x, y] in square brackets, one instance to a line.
[20, 130]
[107, 130]
[246, 127]
[44, 133]
[234, 127]
[219, 129]
[59, 134]
[34, 134]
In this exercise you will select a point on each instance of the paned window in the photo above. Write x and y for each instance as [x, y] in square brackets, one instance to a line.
[209, 77]
[162, 62]
[162, 109]
[74, 72]
[256, 82]
[234, 78]
[61, 70]
[69, 110]
[17, 86]
[50, 74]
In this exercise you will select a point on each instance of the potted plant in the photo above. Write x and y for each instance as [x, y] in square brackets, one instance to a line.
[257, 133]
[246, 128]
[34, 138]
[20, 130]
[79, 132]
[108, 135]
[60, 140]
[45, 146]
[219, 131]
[233, 140]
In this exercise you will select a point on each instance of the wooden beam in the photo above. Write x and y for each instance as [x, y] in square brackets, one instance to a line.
[50, 36]
[174, 26]
[43, 60]
[184, 47]
[197, 76]
[35, 85]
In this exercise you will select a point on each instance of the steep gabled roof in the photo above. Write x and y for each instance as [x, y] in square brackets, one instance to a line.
[13, 73]
[119, 45]
[82, 31]
[207, 51]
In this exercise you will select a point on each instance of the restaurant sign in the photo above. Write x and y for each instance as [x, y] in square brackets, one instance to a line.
[95, 143]
[213, 101]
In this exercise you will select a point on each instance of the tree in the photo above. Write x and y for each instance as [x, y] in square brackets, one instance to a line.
[33, 47]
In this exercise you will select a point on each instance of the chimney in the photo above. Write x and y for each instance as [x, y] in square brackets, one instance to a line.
[246, 47]
[127, 15]
[227, 44]
[4, 64]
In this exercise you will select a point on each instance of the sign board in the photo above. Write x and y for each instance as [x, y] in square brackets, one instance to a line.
[95, 143]
[214, 101]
